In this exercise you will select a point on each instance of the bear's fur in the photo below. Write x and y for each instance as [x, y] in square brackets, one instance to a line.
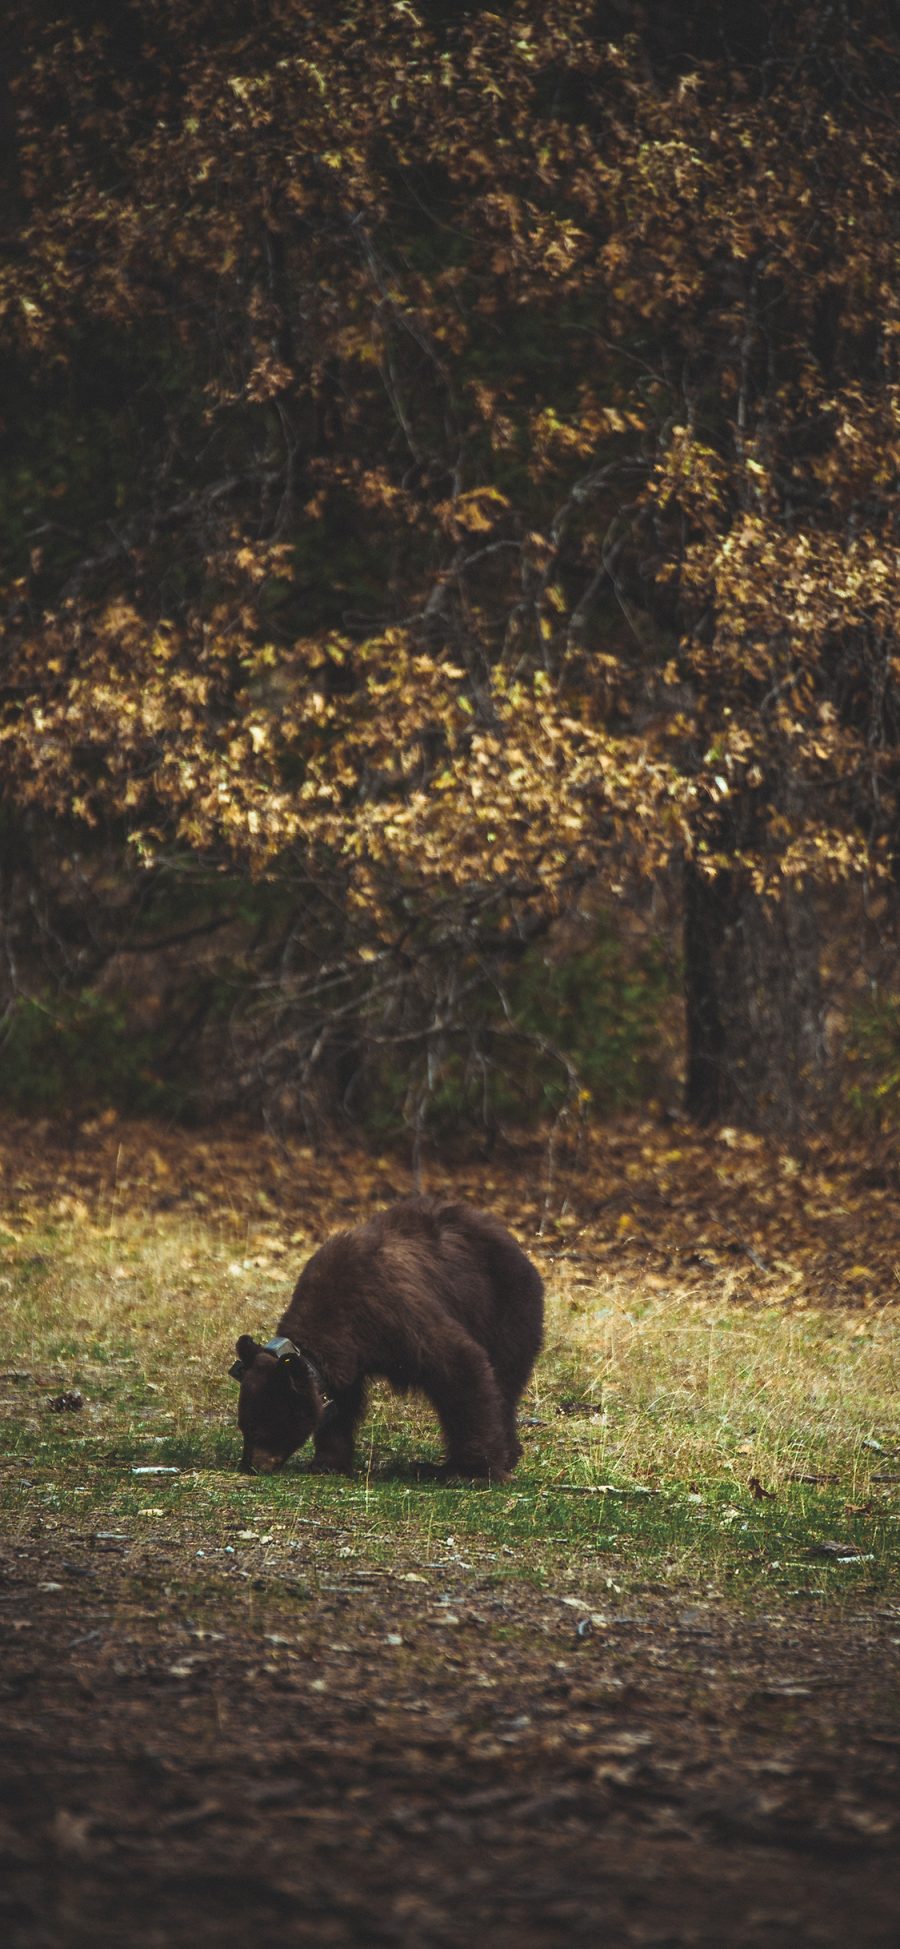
[428, 1295]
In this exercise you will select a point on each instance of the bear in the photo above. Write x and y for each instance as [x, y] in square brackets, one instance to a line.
[427, 1294]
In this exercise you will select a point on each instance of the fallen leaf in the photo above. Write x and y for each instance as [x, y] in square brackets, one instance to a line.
[71, 1832]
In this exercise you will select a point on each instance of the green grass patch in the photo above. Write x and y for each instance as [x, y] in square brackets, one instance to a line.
[742, 1450]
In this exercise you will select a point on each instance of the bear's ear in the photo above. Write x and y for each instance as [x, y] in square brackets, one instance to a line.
[247, 1350]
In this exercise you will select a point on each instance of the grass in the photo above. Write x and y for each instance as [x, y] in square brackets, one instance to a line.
[649, 1418]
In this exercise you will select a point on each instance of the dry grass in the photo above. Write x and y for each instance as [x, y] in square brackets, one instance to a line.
[689, 1387]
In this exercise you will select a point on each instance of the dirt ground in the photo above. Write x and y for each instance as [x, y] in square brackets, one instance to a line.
[275, 1744]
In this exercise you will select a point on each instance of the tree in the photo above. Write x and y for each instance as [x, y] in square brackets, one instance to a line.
[516, 424]
[767, 219]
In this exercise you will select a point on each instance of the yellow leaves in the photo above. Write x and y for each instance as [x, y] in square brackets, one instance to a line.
[120, 618]
[694, 475]
[367, 746]
[374, 489]
[269, 377]
[257, 560]
[475, 512]
[554, 440]
[315, 74]
[357, 342]
[485, 399]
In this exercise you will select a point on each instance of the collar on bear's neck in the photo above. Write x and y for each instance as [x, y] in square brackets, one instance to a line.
[284, 1349]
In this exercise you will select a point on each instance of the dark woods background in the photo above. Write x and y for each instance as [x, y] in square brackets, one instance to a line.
[449, 505]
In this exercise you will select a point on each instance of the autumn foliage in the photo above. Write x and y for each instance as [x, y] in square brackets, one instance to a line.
[454, 462]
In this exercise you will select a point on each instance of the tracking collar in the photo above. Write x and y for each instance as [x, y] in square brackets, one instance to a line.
[285, 1349]
[282, 1348]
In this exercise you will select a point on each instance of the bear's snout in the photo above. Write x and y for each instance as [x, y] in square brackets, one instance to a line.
[259, 1461]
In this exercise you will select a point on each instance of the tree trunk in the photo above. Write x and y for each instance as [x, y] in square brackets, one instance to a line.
[755, 1040]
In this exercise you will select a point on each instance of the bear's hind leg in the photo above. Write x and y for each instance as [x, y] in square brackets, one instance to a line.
[513, 1444]
[463, 1388]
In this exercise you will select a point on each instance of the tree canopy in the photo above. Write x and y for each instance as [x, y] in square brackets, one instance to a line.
[452, 462]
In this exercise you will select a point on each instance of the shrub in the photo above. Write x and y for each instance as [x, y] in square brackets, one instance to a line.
[77, 1052]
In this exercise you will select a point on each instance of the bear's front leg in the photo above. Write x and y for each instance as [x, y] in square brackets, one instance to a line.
[334, 1437]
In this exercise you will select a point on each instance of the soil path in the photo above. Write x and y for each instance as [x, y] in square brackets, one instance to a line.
[212, 1750]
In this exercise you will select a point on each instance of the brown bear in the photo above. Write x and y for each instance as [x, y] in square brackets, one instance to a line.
[426, 1294]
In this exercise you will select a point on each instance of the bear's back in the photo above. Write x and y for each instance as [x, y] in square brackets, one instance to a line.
[422, 1253]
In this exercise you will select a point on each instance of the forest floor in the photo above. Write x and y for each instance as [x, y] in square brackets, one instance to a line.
[644, 1693]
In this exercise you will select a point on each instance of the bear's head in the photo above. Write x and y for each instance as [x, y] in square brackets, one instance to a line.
[279, 1403]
